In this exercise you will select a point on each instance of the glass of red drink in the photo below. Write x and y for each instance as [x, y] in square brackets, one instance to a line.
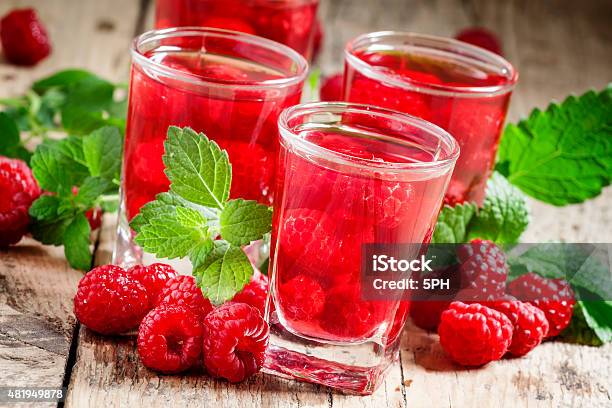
[231, 86]
[290, 22]
[462, 88]
[347, 175]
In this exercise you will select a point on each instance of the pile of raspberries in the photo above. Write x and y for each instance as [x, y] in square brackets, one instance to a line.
[486, 320]
[178, 329]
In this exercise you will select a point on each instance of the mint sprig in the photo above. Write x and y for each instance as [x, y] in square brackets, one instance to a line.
[78, 173]
[562, 155]
[196, 219]
[503, 217]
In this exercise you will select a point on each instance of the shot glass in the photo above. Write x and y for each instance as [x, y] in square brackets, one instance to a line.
[229, 85]
[462, 88]
[290, 22]
[347, 175]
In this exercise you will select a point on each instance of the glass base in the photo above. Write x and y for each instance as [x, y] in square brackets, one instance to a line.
[350, 368]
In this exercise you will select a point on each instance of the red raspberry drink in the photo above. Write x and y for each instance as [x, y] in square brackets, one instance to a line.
[347, 175]
[290, 22]
[231, 86]
[459, 87]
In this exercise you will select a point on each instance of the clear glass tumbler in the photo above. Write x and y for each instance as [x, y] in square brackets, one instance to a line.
[347, 175]
[462, 88]
[231, 86]
[290, 22]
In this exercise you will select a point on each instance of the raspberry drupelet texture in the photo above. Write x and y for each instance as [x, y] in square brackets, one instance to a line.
[24, 38]
[109, 301]
[183, 291]
[19, 189]
[474, 335]
[255, 292]
[154, 278]
[170, 339]
[302, 298]
[554, 297]
[483, 270]
[235, 341]
[529, 325]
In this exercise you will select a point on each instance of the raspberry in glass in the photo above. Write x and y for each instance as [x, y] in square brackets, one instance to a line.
[170, 339]
[154, 278]
[235, 341]
[183, 291]
[305, 298]
[110, 301]
[24, 38]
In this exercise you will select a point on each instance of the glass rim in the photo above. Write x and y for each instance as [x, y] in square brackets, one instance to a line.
[427, 41]
[174, 32]
[287, 133]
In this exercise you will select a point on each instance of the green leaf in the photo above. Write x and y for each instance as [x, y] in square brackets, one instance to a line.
[102, 152]
[45, 207]
[76, 243]
[51, 231]
[80, 121]
[199, 171]
[223, 273]
[61, 79]
[598, 316]
[57, 166]
[90, 93]
[175, 234]
[9, 133]
[91, 189]
[504, 215]
[452, 224]
[164, 204]
[244, 221]
[564, 154]
[109, 204]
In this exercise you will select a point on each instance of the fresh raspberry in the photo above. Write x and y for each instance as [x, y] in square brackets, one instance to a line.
[183, 291]
[19, 189]
[109, 301]
[235, 341]
[302, 298]
[473, 335]
[154, 278]
[24, 38]
[255, 292]
[483, 270]
[331, 89]
[480, 37]
[426, 313]
[427, 304]
[170, 339]
[347, 316]
[554, 297]
[529, 325]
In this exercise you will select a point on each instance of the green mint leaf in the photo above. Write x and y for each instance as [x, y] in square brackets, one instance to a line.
[58, 166]
[164, 204]
[51, 231]
[223, 273]
[198, 170]
[102, 152]
[90, 93]
[61, 79]
[91, 189]
[175, 234]
[45, 207]
[598, 316]
[244, 221]
[452, 224]
[76, 243]
[80, 121]
[9, 133]
[562, 155]
[504, 215]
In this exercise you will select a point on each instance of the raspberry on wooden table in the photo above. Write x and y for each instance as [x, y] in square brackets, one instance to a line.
[554, 297]
[154, 278]
[170, 339]
[235, 341]
[302, 298]
[529, 325]
[24, 38]
[109, 301]
[474, 335]
[331, 89]
[19, 189]
[483, 270]
[183, 291]
[255, 292]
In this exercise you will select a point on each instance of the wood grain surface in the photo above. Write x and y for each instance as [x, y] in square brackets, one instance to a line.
[559, 47]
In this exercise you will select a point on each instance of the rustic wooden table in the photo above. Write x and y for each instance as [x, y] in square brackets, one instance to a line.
[559, 47]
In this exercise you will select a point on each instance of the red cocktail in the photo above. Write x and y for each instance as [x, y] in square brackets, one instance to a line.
[459, 87]
[290, 22]
[231, 86]
[347, 175]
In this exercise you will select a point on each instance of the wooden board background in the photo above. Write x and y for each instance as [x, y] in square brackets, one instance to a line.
[559, 47]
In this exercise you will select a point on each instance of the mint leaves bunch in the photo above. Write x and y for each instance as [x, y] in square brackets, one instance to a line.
[77, 175]
[197, 220]
[75, 101]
